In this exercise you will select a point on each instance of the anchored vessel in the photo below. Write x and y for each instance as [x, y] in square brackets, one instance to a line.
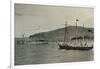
[69, 46]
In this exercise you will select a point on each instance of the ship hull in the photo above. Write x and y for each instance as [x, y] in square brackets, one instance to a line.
[74, 48]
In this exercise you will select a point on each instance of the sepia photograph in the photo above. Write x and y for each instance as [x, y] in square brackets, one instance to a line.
[52, 34]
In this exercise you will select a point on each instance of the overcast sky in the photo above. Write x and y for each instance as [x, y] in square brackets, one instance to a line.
[31, 19]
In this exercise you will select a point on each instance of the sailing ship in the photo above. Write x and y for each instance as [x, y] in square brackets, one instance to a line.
[76, 46]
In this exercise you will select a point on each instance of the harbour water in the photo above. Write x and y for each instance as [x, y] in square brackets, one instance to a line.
[26, 54]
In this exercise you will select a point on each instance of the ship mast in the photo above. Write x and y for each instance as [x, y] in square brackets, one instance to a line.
[65, 32]
[23, 37]
[39, 33]
[84, 38]
[76, 31]
[83, 35]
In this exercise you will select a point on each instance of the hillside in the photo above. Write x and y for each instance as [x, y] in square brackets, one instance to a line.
[58, 34]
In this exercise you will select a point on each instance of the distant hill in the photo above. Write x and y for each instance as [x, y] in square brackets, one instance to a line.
[58, 34]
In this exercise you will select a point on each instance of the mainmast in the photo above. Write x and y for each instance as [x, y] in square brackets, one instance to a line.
[76, 31]
[65, 32]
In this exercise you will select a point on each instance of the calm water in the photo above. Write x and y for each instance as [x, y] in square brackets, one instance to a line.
[48, 53]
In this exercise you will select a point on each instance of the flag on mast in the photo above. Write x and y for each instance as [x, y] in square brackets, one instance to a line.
[77, 20]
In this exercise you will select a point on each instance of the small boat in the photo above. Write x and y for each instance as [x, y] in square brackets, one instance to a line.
[69, 46]
[41, 42]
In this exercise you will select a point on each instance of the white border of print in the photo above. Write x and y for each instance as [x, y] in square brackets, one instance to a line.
[75, 65]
